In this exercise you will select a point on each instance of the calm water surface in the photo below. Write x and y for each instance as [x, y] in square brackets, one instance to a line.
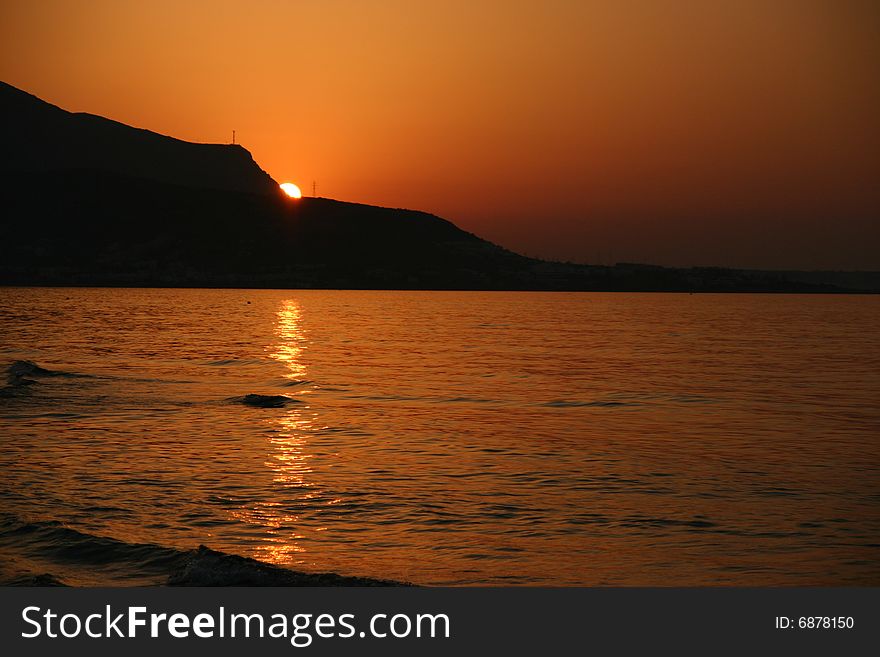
[445, 438]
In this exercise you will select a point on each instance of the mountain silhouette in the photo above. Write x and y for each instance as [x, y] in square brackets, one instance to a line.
[43, 138]
[90, 201]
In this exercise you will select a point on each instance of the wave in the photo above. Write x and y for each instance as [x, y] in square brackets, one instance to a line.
[264, 401]
[43, 579]
[294, 383]
[206, 567]
[109, 561]
[235, 361]
[22, 368]
[632, 400]
[79, 556]
[21, 374]
[25, 373]
[19, 371]
[564, 403]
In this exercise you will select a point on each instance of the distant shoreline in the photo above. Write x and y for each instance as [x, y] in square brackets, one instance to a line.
[187, 286]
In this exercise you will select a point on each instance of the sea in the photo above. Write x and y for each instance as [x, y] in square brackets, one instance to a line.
[440, 438]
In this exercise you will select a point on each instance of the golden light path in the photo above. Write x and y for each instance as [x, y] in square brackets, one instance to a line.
[291, 190]
[289, 456]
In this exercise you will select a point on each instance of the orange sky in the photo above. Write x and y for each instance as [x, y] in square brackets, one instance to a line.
[682, 132]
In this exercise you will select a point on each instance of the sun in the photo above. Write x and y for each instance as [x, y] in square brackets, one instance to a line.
[291, 190]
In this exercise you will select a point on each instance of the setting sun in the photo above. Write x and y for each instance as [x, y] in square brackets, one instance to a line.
[291, 190]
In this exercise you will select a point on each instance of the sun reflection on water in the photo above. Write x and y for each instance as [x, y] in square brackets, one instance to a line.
[288, 458]
[290, 339]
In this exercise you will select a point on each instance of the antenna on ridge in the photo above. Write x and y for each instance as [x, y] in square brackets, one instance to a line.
[233, 136]
[314, 187]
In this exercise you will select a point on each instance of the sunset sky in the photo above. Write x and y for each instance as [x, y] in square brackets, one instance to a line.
[739, 132]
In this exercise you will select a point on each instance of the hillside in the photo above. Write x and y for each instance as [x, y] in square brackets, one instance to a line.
[89, 201]
[42, 138]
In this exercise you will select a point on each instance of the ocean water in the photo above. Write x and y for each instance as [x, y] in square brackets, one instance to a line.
[441, 438]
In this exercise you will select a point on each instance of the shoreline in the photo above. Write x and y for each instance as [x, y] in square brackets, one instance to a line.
[329, 288]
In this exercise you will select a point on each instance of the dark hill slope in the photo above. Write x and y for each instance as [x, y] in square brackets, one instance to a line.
[89, 227]
[89, 201]
[40, 137]
[94, 228]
